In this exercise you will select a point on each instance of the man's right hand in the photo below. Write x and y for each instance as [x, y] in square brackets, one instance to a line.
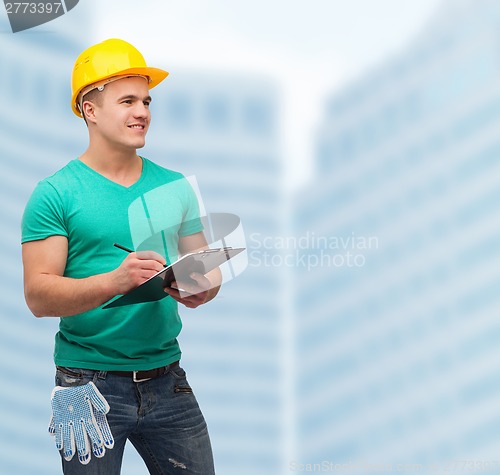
[135, 269]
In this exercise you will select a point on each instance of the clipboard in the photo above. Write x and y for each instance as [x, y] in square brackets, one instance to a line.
[152, 289]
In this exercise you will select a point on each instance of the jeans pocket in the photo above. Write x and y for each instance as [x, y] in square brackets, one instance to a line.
[178, 372]
[69, 377]
[183, 388]
[181, 383]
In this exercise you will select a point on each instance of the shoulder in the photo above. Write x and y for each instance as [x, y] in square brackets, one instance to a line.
[54, 189]
[163, 181]
[165, 173]
[61, 178]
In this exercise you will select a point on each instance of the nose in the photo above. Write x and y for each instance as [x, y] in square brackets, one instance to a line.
[141, 111]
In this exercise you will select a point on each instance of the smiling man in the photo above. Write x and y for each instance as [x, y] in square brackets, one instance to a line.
[118, 376]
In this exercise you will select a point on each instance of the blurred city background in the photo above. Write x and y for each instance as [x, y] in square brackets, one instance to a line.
[358, 143]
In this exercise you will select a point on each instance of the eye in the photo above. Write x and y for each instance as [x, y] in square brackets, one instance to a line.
[147, 103]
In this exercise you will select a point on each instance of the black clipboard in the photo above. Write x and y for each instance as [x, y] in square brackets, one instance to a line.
[201, 262]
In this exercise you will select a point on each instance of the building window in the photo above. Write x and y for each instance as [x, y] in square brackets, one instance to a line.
[257, 117]
[217, 113]
[180, 111]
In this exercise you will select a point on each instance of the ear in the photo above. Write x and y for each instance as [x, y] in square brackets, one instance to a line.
[89, 111]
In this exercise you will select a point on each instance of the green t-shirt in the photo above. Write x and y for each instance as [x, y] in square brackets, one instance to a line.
[93, 213]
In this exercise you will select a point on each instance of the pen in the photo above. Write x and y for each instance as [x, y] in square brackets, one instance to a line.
[123, 248]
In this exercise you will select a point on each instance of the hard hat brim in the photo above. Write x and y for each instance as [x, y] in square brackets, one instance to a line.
[156, 76]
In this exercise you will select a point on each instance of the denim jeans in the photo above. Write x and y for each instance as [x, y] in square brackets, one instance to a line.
[160, 417]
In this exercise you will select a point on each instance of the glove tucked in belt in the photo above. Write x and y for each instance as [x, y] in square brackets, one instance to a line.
[77, 414]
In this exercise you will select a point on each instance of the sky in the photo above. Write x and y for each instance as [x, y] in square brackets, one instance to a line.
[311, 49]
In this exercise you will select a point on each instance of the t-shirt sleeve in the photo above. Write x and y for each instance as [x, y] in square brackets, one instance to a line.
[191, 223]
[44, 214]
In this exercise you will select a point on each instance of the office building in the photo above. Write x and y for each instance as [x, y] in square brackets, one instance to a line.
[396, 327]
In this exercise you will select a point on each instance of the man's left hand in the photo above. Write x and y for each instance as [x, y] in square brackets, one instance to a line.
[191, 294]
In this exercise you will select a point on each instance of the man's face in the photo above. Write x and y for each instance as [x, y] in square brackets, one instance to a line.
[122, 118]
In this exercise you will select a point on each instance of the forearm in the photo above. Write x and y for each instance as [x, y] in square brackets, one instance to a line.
[212, 293]
[214, 278]
[51, 295]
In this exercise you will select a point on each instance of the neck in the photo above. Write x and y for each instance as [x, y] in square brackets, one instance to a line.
[121, 166]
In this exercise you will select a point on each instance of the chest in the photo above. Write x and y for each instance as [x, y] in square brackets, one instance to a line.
[98, 218]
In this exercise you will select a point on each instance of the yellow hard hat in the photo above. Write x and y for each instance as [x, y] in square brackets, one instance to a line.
[106, 60]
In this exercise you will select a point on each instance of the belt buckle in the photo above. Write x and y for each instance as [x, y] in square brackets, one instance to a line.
[134, 377]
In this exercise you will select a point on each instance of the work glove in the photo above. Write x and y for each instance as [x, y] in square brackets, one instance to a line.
[79, 413]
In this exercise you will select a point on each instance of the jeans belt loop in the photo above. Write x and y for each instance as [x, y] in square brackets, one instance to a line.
[101, 374]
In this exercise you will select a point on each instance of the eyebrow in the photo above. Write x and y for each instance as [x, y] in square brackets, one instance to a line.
[132, 96]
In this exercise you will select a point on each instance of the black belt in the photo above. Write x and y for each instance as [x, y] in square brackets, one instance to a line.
[139, 376]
